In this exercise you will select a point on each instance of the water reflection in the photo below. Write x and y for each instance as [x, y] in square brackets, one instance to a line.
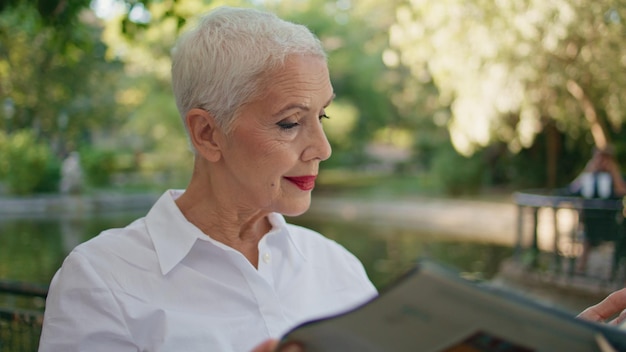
[387, 251]
[32, 249]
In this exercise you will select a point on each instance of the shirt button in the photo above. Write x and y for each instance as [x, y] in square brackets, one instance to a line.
[267, 258]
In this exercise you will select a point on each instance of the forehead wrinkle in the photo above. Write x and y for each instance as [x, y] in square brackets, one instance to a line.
[302, 106]
[299, 106]
[299, 89]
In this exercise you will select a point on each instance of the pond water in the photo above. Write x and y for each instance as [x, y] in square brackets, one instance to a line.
[32, 249]
[387, 251]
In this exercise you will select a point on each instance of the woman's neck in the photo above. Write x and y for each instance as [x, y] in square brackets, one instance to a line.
[223, 221]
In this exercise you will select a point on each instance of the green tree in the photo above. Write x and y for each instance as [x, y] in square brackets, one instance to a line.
[57, 80]
[27, 165]
[508, 69]
[63, 15]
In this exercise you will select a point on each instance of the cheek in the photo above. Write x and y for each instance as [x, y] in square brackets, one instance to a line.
[273, 161]
[265, 158]
[274, 155]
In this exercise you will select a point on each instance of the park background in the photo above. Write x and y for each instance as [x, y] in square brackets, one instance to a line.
[445, 97]
[457, 100]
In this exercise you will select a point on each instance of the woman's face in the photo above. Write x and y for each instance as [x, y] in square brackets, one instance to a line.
[273, 153]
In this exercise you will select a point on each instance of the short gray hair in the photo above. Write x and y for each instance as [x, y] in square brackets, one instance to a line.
[222, 64]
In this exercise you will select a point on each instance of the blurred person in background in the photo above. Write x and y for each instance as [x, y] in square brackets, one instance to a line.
[601, 178]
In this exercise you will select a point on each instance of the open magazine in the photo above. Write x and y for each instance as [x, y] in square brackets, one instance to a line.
[431, 308]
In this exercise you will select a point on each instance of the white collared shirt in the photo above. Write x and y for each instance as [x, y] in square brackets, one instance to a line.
[160, 284]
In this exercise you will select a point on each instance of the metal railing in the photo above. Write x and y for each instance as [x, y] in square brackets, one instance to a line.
[610, 208]
[22, 316]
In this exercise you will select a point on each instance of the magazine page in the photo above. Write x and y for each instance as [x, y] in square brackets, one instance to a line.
[433, 309]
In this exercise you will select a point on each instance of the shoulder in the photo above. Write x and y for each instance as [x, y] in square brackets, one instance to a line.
[114, 249]
[116, 240]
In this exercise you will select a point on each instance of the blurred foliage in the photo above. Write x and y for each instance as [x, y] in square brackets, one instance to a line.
[412, 76]
[26, 164]
[98, 165]
[64, 14]
[54, 13]
[55, 79]
[458, 174]
[506, 67]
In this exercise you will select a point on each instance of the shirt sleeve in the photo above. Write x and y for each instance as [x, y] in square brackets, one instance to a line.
[81, 313]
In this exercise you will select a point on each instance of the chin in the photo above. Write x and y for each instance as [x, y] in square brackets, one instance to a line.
[297, 208]
[294, 213]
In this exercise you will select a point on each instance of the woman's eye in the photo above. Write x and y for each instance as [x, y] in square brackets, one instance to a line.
[287, 125]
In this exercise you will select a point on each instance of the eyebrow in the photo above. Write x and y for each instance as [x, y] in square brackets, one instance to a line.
[302, 106]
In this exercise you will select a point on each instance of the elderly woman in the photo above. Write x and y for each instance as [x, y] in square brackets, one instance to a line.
[216, 267]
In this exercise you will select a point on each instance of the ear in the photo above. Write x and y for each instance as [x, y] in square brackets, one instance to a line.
[203, 133]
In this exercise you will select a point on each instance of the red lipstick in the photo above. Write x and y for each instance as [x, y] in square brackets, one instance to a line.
[305, 183]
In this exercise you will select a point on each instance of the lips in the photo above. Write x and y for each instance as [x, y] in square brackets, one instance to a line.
[305, 183]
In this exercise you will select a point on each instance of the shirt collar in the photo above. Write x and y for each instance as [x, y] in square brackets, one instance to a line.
[281, 230]
[173, 236]
[171, 233]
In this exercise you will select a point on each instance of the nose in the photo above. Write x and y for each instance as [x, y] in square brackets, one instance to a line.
[318, 146]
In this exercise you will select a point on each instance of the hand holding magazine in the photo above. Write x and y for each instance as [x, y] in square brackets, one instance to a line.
[431, 308]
